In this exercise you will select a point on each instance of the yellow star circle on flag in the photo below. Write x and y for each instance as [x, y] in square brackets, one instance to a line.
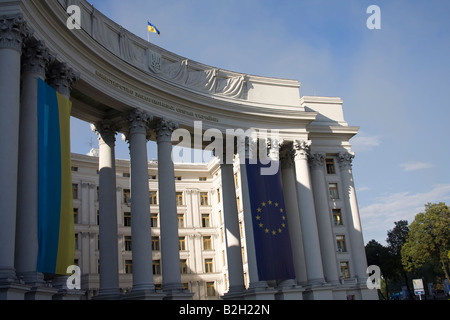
[263, 211]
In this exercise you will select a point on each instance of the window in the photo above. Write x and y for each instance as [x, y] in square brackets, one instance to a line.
[153, 197]
[154, 220]
[340, 242]
[332, 187]
[75, 215]
[210, 290]
[74, 169]
[76, 241]
[207, 243]
[337, 217]
[126, 175]
[238, 203]
[178, 178]
[208, 265]
[127, 243]
[180, 217]
[155, 243]
[205, 220]
[329, 163]
[75, 191]
[203, 198]
[152, 177]
[345, 270]
[179, 198]
[156, 265]
[127, 219]
[183, 266]
[218, 195]
[98, 217]
[128, 266]
[126, 195]
[182, 243]
[202, 179]
[236, 180]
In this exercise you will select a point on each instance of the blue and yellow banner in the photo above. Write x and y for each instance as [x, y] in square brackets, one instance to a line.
[152, 28]
[56, 233]
[270, 228]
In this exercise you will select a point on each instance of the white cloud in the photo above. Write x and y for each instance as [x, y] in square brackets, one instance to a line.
[413, 166]
[364, 143]
[378, 217]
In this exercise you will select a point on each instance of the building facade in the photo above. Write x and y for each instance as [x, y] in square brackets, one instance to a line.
[134, 229]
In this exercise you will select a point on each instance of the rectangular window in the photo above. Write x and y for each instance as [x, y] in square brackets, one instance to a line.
[329, 162]
[180, 217]
[202, 179]
[333, 188]
[340, 243]
[156, 265]
[128, 266]
[207, 243]
[203, 198]
[183, 266]
[126, 195]
[337, 217]
[74, 169]
[126, 175]
[345, 270]
[154, 220]
[179, 198]
[236, 180]
[209, 265]
[153, 197]
[75, 191]
[127, 243]
[205, 220]
[155, 243]
[127, 219]
[210, 290]
[182, 243]
[218, 195]
[76, 241]
[75, 215]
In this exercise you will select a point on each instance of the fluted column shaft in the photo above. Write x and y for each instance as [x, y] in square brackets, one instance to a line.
[323, 215]
[170, 256]
[140, 203]
[13, 30]
[107, 198]
[34, 65]
[355, 231]
[307, 209]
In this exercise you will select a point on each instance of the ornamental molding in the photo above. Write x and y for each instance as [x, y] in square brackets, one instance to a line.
[61, 77]
[345, 160]
[36, 57]
[13, 31]
[316, 160]
[164, 130]
[106, 131]
[302, 149]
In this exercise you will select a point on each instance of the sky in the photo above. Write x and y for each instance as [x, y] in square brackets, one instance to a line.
[394, 81]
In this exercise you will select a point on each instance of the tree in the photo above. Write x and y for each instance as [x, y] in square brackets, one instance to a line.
[428, 239]
[378, 255]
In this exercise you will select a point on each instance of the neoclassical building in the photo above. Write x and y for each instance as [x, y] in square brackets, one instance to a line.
[121, 83]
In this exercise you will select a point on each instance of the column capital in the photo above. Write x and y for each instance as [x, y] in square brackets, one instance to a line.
[164, 130]
[106, 131]
[35, 57]
[61, 76]
[302, 149]
[287, 155]
[138, 121]
[345, 159]
[316, 160]
[13, 31]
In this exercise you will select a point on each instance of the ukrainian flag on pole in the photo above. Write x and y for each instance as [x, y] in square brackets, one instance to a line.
[152, 28]
[56, 235]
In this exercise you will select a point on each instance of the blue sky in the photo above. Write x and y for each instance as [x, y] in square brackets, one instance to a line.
[394, 81]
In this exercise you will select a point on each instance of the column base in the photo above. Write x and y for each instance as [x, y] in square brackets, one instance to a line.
[324, 292]
[178, 295]
[289, 290]
[13, 291]
[108, 294]
[41, 293]
[66, 295]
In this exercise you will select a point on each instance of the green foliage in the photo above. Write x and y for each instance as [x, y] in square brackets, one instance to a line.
[428, 239]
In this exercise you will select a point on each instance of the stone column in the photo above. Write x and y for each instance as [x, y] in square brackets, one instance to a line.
[292, 211]
[232, 235]
[34, 64]
[109, 267]
[60, 77]
[349, 196]
[307, 209]
[13, 31]
[323, 215]
[170, 255]
[140, 205]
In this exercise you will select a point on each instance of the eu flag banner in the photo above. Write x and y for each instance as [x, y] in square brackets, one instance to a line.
[270, 229]
[56, 235]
